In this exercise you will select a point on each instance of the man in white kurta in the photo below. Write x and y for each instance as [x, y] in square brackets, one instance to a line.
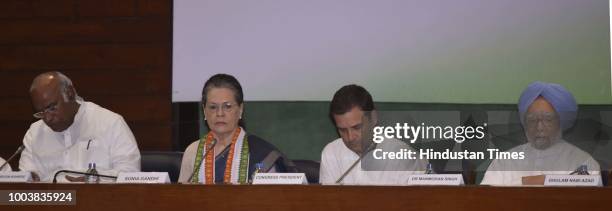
[560, 158]
[95, 135]
[336, 158]
[353, 113]
[545, 110]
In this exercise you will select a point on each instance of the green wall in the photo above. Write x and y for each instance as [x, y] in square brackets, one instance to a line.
[302, 129]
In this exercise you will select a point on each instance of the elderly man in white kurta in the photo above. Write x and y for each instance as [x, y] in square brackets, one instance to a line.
[546, 110]
[352, 110]
[73, 133]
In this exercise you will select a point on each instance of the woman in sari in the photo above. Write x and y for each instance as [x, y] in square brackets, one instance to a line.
[227, 154]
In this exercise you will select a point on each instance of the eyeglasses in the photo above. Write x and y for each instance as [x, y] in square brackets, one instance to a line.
[225, 107]
[547, 118]
[49, 109]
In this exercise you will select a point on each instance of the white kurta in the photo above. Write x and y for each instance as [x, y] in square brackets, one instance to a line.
[7, 167]
[97, 135]
[559, 158]
[336, 158]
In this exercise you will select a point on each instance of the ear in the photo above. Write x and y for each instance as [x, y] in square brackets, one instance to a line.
[71, 92]
[241, 110]
[373, 117]
[203, 111]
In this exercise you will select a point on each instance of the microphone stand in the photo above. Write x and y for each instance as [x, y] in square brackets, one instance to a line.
[81, 173]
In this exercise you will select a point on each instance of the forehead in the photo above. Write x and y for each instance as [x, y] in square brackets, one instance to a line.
[44, 95]
[349, 119]
[540, 104]
[220, 95]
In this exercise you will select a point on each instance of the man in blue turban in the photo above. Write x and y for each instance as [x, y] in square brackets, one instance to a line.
[546, 110]
[553, 109]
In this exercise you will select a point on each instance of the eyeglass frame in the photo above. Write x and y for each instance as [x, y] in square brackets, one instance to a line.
[225, 107]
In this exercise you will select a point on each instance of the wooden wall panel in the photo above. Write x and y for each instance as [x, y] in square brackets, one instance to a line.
[120, 82]
[106, 8]
[88, 56]
[12, 9]
[117, 52]
[93, 30]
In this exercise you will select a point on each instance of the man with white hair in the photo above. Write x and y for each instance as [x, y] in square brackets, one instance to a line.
[546, 110]
[73, 133]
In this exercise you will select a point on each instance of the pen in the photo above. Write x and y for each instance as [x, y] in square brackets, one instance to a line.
[89, 142]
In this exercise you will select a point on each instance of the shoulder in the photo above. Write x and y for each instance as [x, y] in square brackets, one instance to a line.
[572, 151]
[394, 144]
[37, 129]
[99, 113]
[520, 148]
[333, 147]
[192, 148]
[38, 126]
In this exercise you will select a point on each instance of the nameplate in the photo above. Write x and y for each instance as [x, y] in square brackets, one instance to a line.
[572, 180]
[15, 176]
[143, 177]
[436, 179]
[280, 179]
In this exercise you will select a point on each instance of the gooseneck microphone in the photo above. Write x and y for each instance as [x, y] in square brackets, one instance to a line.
[81, 173]
[214, 142]
[19, 150]
[581, 170]
[370, 148]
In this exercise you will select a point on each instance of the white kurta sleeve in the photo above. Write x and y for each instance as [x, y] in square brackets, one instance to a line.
[27, 161]
[494, 175]
[188, 162]
[328, 171]
[125, 156]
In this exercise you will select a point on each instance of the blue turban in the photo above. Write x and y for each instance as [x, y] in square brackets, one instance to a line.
[562, 100]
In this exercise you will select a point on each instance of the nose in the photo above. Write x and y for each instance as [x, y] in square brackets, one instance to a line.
[352, 135]
[219, 111]
[540, 125]
[49, 117]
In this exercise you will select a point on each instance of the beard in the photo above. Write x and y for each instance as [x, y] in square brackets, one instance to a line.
[542, 142]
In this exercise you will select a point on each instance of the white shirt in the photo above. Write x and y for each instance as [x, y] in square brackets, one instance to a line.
[336, 158]
[560, 158]
[97, 135]
[7, 167]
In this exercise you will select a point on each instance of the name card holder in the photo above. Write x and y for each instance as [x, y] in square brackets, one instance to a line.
[143, 177]
[280, 179]
[15, 176]
[436, 179]
[573, 180]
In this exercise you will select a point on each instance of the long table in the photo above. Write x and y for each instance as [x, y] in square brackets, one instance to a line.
[177, 197]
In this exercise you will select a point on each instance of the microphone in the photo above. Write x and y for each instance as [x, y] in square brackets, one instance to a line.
[269, 161]
[429, 169]
[370, 148]
[81, 173]
[214, 142]
[581, 170]
[19, 150]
